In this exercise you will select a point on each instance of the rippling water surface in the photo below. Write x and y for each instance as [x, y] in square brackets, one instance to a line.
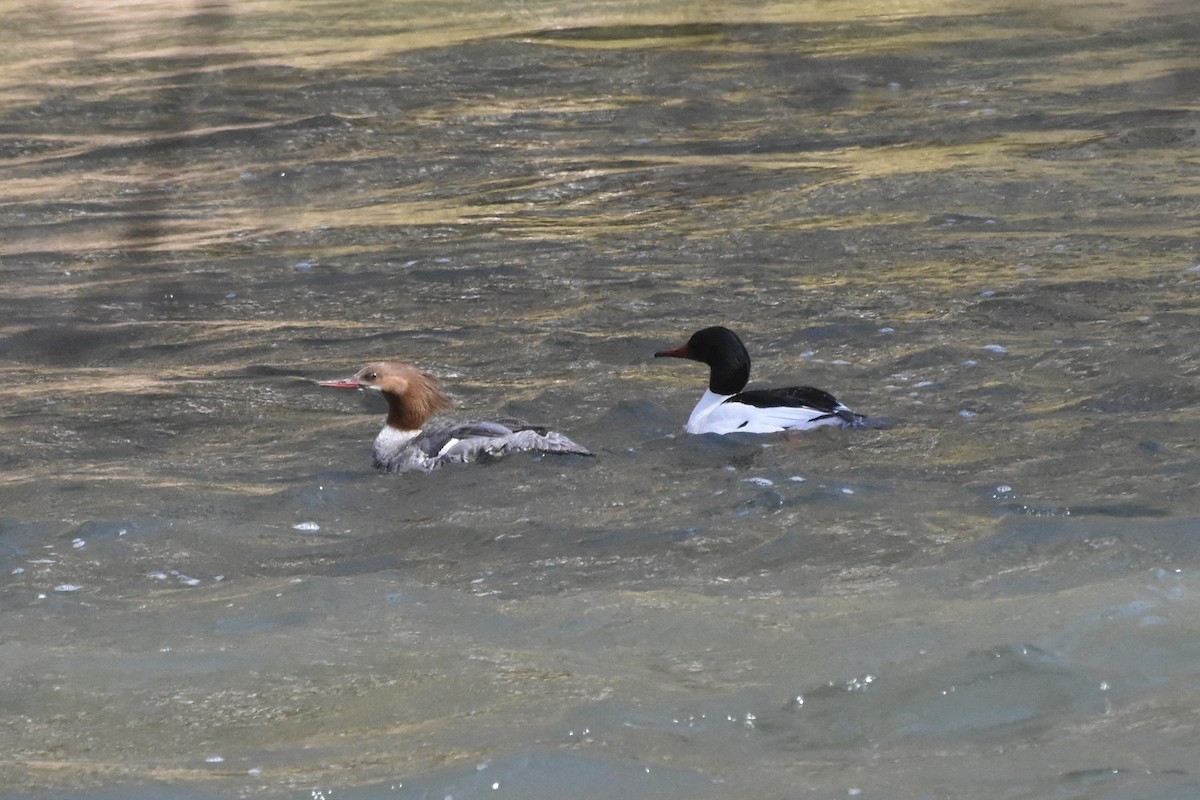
[979, 223]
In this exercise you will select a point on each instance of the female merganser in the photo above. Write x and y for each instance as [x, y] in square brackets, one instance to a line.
[413, 396]
[725, 408]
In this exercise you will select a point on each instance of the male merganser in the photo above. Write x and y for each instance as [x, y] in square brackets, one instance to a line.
[413, 396]
[725, 408]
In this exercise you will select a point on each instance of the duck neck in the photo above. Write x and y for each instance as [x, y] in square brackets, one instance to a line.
[411, 411]
[728, 377]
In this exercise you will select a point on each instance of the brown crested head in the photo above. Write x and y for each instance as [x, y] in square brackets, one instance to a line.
[413, 395]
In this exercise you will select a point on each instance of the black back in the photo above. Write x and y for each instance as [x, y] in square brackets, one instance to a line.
[793, 396]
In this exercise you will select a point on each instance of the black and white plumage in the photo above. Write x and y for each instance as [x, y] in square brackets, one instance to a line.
[407, 443]
[726, 408]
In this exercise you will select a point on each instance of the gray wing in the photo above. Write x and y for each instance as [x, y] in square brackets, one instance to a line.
[491, 440]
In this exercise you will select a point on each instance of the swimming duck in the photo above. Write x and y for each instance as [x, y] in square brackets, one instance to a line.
[407, 443]
[725, 408]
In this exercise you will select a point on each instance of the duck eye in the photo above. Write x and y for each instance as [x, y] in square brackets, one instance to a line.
[370, 376]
